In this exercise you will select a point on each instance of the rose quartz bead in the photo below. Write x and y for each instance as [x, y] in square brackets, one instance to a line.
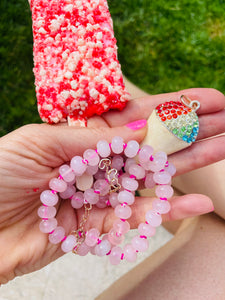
[139, 244]
[123, 211]
[92, 157]
[130, 184]
[92, 250]
[113, 199]
[103, 248]
[83, 249]
[153, 218]
[157, 164]
[77, 200]
[69, 243]
[171, 169]
[128, 163]
[78, 166]
[146, 165]
[99, 175]
[90, 196]
[161, 206]
[145, 153]
[102, 186]
[131, 149]
[103, 148]
[149, 182]
[46, 212]
[130, 253]
[57, 185]
[164, 191]
[117, 144]
[114, 238]
[125, 196]
[92, 170]
[146, 229]
[92, 237]
[57, 235]
[162, 177]
[48, 198]
[67, 173]
[117, 162]
[69, 192]
[137, 171]
[115, 255]
[47, 226]
[103, 200]
[121, 227]
[71, 182]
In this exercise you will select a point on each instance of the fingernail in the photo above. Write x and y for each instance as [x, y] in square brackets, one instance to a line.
[137, 124]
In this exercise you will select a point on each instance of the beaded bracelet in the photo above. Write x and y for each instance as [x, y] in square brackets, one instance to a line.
[108, 176]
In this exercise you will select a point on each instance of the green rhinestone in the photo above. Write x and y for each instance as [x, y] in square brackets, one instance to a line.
[180, 135]
[188, 132]
[183, 129]
[175, 131]
[189, 127]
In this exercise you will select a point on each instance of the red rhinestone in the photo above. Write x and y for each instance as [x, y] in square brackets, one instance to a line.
[170, 107]
[185, 112]
[174, 116]
[189, 109]
[163, 119]
[161, 115]
[179, 113]
[164, 108]
[169, 117]
[166, 112]
[159, 111]
[173, 111]
[175, 106]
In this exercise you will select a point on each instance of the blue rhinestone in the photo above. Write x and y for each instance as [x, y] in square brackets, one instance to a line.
[185, 138]
[189, 140]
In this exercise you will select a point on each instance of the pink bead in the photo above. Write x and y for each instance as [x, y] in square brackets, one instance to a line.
[161, 206]
[117, 144]
[123, 211]
[139, 244]
[57, 185]
[92, 170]
[157, 164]
[162, 177]
[92, 157]
[102, 186]
[153, 218]
[92, 250]
[90, 196]
[83, 249]
[171, 169]
[164, 191]
[92, 237]
[146, 229]
[102, 203]
[121, 227]
[69, 243]
[69, 192]
[99, 175]
[130, 253]
[71, 182]
[67, 173]
[103, 148]
[128, 163]
[78, 166]
[117, 162]
[137, 171]
[131, 149]
[48, 198]
[46, 212]
[77, 200]
[47, 226]
[125, 196]
[103, 248]
[130, 184]
[115, 255]
[113, 199]
[114, 238]
[57, 235]
[145, 153]
[149, 181]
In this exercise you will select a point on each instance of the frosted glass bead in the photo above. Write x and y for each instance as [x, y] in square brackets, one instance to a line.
[161, 206]
[69, 243]
[57, 185]
[113, 199]
[92, 170]
[123, 212]
[153, 218]
[146, 229]
[117, 162]
[139, 244]
[121, 227]
[67, 173]
[117, 144]
[78, 166]
[92, 237]
[92, 157]
[171, 169]
[164, 191]
[90, 196]
[57, 235]
[128, 163]
[48, 198]
[137, 171]
[130, 184]
[115, 255]
[149, 181]
[131, 149]
[125, 196]
[114, 238]
[103, 148]
[145, 153]
[130, 253]
[46, 212]
[84, 182]
[83, 249]
[47, 226]
[103, 248]
[77, 200]
[69, 192]
[162, 177]
[102, 186]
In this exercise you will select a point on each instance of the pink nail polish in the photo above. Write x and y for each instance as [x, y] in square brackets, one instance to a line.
[137, 124]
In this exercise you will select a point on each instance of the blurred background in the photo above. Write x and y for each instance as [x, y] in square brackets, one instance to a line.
[164, 45]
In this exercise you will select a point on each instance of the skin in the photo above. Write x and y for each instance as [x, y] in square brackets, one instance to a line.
[31, 156]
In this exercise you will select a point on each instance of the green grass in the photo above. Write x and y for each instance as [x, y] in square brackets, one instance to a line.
[164, 45]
